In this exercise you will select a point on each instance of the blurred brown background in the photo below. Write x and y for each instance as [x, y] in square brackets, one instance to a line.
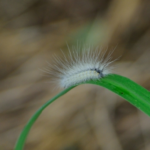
[88, 117]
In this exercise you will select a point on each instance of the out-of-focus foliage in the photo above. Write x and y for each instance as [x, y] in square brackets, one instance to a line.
[88, 117]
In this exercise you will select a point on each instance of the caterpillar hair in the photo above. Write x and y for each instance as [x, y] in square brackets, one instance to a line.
[80, 65]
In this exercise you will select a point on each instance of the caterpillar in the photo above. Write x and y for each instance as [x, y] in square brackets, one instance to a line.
[80, 65]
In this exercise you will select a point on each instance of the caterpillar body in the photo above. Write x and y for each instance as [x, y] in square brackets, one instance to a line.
[80, 65]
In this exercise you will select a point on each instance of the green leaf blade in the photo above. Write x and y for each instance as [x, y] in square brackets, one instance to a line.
[21, 140]
[127, 89]
[122, 86]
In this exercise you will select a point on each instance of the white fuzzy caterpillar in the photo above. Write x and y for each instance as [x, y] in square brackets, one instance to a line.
[80, 66]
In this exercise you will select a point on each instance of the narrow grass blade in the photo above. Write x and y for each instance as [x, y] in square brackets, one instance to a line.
[129, 90]
[25, 131]
[124, 87]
